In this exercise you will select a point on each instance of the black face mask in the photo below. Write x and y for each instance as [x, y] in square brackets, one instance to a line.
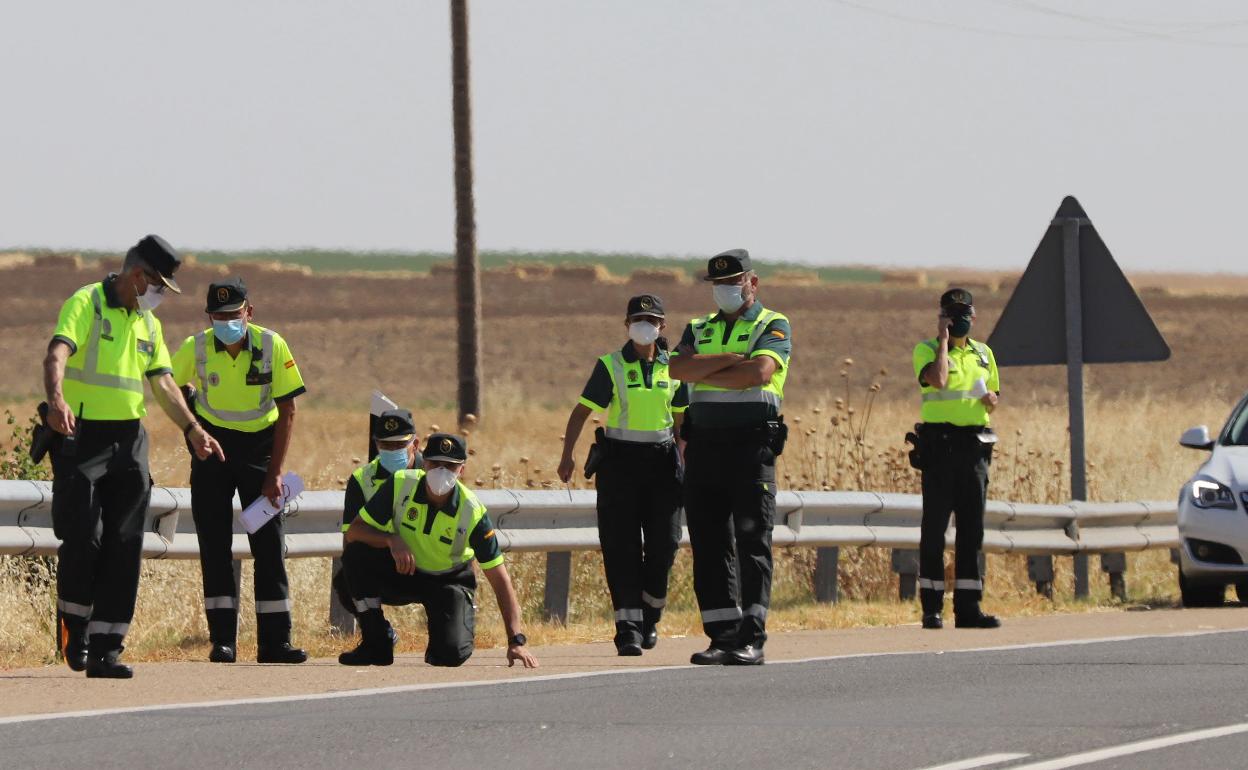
[960, 326]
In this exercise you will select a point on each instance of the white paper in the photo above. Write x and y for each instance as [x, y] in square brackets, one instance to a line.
[979, 389]
[258, 513]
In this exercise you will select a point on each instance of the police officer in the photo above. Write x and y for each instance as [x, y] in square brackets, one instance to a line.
[415, 541]
[245, 383]
[107, 341]
[736, 361]
[638, 478]
[395, 437]
[960, 387]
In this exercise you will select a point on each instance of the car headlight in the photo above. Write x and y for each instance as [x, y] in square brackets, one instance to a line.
[1207, 493]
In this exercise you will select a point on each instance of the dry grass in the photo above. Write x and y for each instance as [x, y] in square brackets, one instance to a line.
[396, 333]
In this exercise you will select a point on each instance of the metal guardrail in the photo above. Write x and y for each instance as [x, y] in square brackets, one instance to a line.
[548, 521]
[558, 523]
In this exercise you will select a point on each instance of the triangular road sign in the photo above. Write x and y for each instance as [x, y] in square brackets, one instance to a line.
[1116, 327]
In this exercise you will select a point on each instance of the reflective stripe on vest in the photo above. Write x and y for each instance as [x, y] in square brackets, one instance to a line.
[266, 390]
[463, 520]
[622, 431]
[89, 374]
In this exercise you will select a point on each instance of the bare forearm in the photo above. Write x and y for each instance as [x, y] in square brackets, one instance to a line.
[576, 423]
[171, 402]
[508, 605]
[745, 374]
[359, 532]
[283, 431]
[54, 372]
[689, 367]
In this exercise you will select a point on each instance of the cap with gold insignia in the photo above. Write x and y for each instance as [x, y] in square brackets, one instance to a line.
[394, 425]
[446, 447]
[646, 304]
[226, 296]
[729, 264]
[955, 298]
[159, 256]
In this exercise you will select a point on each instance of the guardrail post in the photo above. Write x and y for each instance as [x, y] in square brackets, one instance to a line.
[340, 618]
[1116, 565]
[825, 574]
[1040, 572]
[906, 565]
[558, 584]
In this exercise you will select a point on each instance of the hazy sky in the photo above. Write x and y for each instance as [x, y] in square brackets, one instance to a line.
[869, 131]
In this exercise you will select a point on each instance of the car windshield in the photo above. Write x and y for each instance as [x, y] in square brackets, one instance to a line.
[1236, 431]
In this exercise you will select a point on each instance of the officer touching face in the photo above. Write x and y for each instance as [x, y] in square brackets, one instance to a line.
[107, 341]
[960, 388]
[737, 361]
[415, 541]
[245, 383]
[638, 475]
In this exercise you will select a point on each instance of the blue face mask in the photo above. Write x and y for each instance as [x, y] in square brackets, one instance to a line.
[230, 331]
[393, 460]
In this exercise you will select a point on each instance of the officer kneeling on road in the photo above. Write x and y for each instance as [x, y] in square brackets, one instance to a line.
[415, 541]
[638, 467]
[395, 436]
[960, 386]
[245, 386]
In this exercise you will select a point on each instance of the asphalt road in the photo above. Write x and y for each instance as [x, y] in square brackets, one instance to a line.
[901, 711]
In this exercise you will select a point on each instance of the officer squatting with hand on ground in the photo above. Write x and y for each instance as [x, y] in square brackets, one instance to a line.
[394, 434]
[638, 471]
[415, 541]
[960, 387]
[107, 341]
[243, 382]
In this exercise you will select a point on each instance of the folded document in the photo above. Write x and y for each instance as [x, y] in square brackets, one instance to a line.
[258, 513]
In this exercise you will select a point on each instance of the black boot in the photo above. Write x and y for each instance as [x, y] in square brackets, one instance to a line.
[966, 612]
[627, 639]
[377, 642]
[222, 653]
[711, 656]
[106, 666]
[280, 653]
[649, 636]
[72, 641]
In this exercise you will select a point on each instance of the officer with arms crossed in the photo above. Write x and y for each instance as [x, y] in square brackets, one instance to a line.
[245, 383]
[107, 341]
[638, 471]
[736, 361]
[415, 541]
[395, 436]
[960, 387]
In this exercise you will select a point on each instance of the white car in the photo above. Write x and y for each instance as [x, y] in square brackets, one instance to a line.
[1213, 515]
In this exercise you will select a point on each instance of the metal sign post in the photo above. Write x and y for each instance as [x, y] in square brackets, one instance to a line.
[1074, 378]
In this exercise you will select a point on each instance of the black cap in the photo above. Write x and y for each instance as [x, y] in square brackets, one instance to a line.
[956, 297]
[159, 256]
[446, 447]
[394, 425]
[646, 304]
[226, 296]
[728, 264]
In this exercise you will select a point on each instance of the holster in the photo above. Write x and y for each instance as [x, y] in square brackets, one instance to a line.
[776, 434]
[597, 453]
[916, 454]
[42, 437]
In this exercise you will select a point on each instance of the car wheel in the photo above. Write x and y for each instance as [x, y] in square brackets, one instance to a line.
[1202, 595]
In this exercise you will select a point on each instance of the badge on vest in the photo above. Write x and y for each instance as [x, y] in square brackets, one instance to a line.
[146, 347]
[632, 375]
[257, 378]
[214, 379]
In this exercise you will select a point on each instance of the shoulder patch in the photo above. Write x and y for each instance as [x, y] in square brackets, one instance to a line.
[290, 364]
[777, 333]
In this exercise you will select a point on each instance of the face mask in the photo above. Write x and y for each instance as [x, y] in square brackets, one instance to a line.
[960, 327]
[441, 480]
[393, 460]
[728, 297]
[149, 299]
[643, 332]
[230, 331]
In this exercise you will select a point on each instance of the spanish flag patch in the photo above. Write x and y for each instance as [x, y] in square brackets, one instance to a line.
[489, 534]
[777, 333]
[291, 363]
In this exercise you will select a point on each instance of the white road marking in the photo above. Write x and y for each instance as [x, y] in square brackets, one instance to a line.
[396, 689]
[1138, 747]
[973, 762]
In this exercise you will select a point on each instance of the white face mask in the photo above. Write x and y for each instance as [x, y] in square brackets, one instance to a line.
[643, 332]
[441, 480]
[728, 297]
[150, 299]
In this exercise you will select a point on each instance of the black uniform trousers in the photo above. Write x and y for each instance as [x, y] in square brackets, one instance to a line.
[447, 598]
[730, 508]
[639, 529]
[100, 494]
[955, 480]
[213, 484]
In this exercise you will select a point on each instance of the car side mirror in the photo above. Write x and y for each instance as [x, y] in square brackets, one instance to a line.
[1197, 438]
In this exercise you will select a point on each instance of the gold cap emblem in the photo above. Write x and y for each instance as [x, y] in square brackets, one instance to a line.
[391, 425]
[223, 294]
[646, 303]
[721, 264]
[446, 445]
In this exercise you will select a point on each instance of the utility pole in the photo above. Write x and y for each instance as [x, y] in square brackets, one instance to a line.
[467, 270]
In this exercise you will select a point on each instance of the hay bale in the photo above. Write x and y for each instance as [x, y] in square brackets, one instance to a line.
[535, 271]
[242, 268]
[982, 286]
[662, 276]
[591, 273]
[15, 259]
[442, 269]
[59, 262]
[904, 277]
[795, 277]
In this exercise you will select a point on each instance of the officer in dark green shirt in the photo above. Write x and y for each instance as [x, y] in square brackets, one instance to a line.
[736, 361]
[415, 540]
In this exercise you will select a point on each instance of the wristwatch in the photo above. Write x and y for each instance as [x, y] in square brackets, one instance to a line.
[518, 640]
